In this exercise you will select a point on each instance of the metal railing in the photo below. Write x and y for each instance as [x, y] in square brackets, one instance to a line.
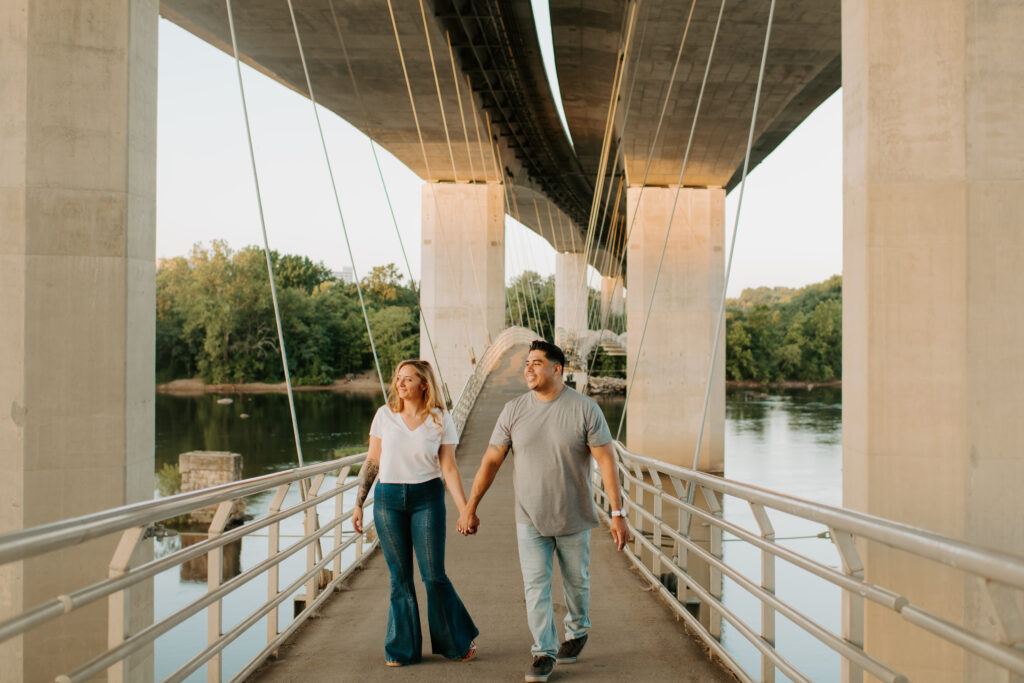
[135, 523]
[323, 572]
[656, 498]
[512, 336]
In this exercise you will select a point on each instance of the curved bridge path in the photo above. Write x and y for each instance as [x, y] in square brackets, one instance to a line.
[634, 636]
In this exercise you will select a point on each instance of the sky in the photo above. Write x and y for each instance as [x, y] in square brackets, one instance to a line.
[789, 232]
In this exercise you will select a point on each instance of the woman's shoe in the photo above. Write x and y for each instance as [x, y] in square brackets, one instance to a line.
[471, 654]
[388, 662]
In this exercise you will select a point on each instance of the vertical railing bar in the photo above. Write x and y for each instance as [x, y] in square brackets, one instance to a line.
[273, 549]
[768, 584]
[214, 576]
[656, 560]
[309, 528]
[116, 602]
[339, 510]
[714, 574]
[853, 612]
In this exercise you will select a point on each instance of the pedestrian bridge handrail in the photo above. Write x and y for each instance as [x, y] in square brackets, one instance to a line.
[512, 336]
[324, 565]
[324, 570]
[656, 496]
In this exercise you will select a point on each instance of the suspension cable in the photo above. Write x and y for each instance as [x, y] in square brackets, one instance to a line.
[732, 245]
[629, 22]
[391, 208]
[433, 190]
[337, 200]
[668, 230]
[266, 246]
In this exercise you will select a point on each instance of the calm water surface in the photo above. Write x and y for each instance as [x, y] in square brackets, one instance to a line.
[785, 442]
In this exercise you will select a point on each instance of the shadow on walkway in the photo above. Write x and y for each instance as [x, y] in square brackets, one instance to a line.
[634, 636]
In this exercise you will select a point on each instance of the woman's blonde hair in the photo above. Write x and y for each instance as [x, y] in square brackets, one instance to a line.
[431, 396]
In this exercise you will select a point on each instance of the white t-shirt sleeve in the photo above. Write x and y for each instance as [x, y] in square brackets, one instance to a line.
[450, 435]
[377, 426]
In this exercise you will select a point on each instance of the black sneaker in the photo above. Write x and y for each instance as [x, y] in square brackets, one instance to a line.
[540, 669]
[570, 650]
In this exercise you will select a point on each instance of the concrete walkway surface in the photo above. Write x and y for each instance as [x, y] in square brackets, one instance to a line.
[634, 637]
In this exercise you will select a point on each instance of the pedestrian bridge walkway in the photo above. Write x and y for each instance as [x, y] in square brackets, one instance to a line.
[323, 619]
[634, 635]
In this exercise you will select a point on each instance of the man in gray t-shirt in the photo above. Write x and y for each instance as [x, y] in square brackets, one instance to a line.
[553, 433]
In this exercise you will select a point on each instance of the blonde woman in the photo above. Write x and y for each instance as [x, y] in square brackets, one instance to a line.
[412, 446]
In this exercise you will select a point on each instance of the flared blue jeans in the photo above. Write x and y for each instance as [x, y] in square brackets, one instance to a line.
[412, 517]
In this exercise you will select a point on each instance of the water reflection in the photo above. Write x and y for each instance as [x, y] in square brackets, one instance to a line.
[326, 421]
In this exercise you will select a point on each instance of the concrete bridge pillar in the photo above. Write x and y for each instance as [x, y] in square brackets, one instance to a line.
[672, 374]
[570, 296]
[462, 294]
[933, 331]
[78, 91]
[613, 302]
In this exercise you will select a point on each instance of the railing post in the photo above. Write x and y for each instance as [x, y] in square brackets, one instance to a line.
[768, 584]
[214, 575]
[714, 575]
[679, 549]
[853, 605]
[116, 614]
[638, 519]
[273, 548]
[312, 585]
[339, 510]
[656, 535]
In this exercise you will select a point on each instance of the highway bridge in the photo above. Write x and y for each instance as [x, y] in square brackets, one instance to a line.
[668, 105]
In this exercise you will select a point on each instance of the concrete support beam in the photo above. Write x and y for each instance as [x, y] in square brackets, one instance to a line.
[613, 301]
[570, 296]
[77, 251]
[463, 271]
[663, 416]
[933, 331]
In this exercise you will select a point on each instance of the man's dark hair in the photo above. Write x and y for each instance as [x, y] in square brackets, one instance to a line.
[552, 352]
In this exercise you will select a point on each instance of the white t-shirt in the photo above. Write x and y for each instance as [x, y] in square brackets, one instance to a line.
[410, 456]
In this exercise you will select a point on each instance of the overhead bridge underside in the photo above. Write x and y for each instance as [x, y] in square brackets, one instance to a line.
[458, 90]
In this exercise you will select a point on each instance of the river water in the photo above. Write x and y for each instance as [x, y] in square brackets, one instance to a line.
[788, 442]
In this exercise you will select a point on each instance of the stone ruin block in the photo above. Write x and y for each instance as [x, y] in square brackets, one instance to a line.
[203, 469]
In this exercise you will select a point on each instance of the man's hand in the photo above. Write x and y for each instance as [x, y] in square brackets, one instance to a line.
[357, 519]
[468, 522]
[620, 532]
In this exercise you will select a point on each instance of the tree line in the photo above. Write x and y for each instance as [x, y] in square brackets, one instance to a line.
[215, 318]
[778, 334]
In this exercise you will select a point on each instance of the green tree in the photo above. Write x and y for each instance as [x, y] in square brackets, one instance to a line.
[291, 270]
[395, 334]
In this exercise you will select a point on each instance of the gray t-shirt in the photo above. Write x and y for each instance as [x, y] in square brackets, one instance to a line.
[550, 444]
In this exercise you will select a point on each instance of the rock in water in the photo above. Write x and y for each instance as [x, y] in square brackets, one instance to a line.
[225, 401]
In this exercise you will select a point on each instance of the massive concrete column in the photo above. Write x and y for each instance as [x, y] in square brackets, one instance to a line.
[570, 296]
[668, 384]
[77, 251]
[933, 284]
[612, 301]
[463, 272]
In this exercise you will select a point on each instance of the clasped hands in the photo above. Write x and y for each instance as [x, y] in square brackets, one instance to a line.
[468, 522]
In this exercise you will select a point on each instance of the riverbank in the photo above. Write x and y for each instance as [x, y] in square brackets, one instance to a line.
[785, 384]
[366, 384]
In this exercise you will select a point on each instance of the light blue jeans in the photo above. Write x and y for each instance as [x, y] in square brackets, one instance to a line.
[535, 558]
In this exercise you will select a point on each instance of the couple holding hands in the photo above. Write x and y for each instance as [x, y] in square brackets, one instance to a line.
[552, 431]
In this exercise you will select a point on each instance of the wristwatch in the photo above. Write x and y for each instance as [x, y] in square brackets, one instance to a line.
[618, 513]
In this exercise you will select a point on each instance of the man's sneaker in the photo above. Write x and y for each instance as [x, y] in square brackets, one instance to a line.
[570, 650]
[540, 669]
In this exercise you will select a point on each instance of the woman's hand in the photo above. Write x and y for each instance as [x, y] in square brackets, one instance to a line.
[357, 519]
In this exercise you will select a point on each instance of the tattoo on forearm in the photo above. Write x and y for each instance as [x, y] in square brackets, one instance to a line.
[367, 475]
